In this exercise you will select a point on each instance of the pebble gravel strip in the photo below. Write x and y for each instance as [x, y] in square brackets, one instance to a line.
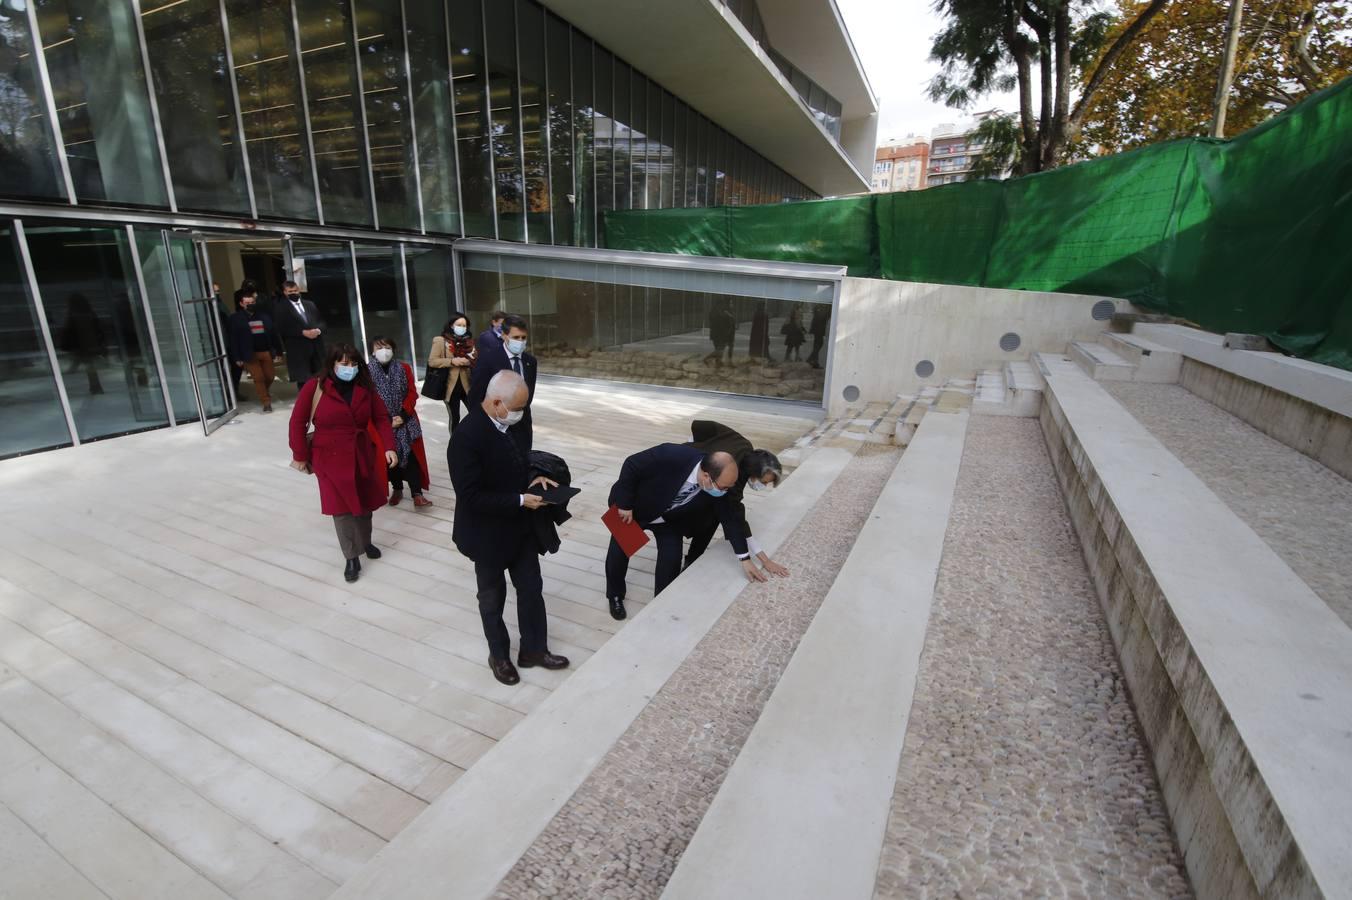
[624, 830]
[1024, 772]
[1301, 508]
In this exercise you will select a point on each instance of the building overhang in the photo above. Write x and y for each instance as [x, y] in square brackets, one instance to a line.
[699, 51]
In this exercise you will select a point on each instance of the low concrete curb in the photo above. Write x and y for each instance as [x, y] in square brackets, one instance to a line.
[804, 809]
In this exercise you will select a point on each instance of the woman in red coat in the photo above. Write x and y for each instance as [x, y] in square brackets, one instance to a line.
[351, 434]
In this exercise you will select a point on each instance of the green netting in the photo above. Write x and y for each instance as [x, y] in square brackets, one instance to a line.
[1251, 234]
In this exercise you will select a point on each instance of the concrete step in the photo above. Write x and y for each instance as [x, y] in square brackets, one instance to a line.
[1099, 362]
[1253, 767]
[1013, 390]
[1155, 363]
[827, 431]
[822, 747]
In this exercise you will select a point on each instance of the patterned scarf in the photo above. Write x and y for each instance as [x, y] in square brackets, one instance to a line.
[392, 385]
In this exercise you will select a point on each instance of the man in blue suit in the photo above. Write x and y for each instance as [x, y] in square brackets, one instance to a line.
[508, 354]
[670, 490]
[492, 335]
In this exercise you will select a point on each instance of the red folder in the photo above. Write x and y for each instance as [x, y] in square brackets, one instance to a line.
[628, 535]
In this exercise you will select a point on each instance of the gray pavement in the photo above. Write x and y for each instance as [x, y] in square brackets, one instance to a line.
[1302, 509]
[1024, 771]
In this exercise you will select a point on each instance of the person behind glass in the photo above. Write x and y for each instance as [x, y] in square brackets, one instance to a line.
[492, 335]
[821, 320]
[490, 472]
[454, 349]
[254, 346]
[509, 355]
[398, 390]
[722, 332]
[794, 336]
[344, 452]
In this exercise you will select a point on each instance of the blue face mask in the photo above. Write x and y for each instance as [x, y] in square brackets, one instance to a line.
[345, 373]
[715, 491]
[516, 348]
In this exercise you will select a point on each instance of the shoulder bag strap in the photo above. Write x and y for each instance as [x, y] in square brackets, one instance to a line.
[314, 403]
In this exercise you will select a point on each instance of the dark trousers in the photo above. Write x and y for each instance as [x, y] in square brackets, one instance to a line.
[530, 603]
[701, 534]
[814, 356]
[670, 538]
[457, 396]
[410, 472]
[354, 533]
[304, 358]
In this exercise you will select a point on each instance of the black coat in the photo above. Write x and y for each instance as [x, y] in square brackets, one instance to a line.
[291, 326]
[489, 472]
[239, 337]
[546, 519]
[490, 363]
[650, 480]
[713, 437]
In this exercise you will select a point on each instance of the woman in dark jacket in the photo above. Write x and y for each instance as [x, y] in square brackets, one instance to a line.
[397, 387]
[351, 434]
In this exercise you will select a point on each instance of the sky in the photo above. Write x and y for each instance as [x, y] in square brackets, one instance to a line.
[892, 38]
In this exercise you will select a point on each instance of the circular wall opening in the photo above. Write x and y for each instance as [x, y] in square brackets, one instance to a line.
[851, 393]
[1103, 310]
[1009, 342]
[924, 368]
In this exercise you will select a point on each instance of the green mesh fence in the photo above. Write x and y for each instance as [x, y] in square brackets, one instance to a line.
[1252, 234]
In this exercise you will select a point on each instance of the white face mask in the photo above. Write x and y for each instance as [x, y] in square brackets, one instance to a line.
[459, 330]
[512, 417]
[757, 485]
[384, 355]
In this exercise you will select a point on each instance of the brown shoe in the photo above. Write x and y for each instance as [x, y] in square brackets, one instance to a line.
[545, 660]
[420, 500]
[503, 670]
[395, 497]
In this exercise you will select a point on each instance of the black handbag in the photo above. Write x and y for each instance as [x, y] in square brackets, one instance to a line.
[435, 383]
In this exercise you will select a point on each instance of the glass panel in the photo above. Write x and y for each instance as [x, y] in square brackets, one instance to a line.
[331, 88]
[530, 25]
[638, 142]
[656, 334]
[426, 36]
[509, 186]
[385, 89]
[701, 194]
[679, 152]
[431, 297]
[381, 303]
[94, 60]
[666, 153]
[33, 417]
[267, 75]
[328, 282]
[98, 325]
[584, 149]
[197, 108]
[561, 135]
[605, 139]
[159, 277]
[471, 114]
[718, 167]
[28, 165]
[623, 117]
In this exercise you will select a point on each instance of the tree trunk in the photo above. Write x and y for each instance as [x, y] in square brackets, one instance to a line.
[1056, 141]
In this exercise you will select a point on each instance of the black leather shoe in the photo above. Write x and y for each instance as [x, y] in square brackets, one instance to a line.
[351, 570]
[372, 551]
[545, 660]
[617, 608]
[503, 670]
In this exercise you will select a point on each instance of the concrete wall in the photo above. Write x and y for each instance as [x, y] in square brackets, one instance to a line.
[885, 328]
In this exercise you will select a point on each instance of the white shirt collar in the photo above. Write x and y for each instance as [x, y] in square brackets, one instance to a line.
[497, 423]
[693, 477]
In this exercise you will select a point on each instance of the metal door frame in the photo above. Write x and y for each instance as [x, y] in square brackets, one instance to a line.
[221, 359]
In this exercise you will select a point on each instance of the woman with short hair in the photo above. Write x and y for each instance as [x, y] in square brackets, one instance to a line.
[397, 387]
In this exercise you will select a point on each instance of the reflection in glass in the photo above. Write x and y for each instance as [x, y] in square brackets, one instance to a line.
[379, 277]
[471, 117]
[561, 137]
[638, 142]
[159, 279]
[98, 327]
[331, 88]
[622, 116]
[425, 31]
[186, 48]
[98, 84]
[380, 39]
[584, 149]
[604, 132]
[530, 47]
[499, 25]
[680, 159]
[329, 283]
[431, 297]
[33, 417]
[28, 166]
[702, 197]
[267, 76]
[667, 155]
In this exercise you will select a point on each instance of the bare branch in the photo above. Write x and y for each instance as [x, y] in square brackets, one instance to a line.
[1105, 65]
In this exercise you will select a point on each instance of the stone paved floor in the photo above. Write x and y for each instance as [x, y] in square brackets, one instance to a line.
[623, 832]
[1024, 771]
[1302, 509]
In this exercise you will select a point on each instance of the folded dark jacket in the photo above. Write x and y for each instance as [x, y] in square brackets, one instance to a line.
[546, 519]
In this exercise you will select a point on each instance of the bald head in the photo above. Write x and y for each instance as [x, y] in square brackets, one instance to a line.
[506, 393]
[720, 468]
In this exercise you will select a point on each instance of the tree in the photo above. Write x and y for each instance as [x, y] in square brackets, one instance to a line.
[1068, 41]
[1002, 150]
[1165, 81]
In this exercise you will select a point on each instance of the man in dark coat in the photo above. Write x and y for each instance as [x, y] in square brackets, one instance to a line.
[669, 490]
[757, 470]
[821, 321]
[492, 335]
[491, 477]
[254, 346]
[508, 355]
[302, 330]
